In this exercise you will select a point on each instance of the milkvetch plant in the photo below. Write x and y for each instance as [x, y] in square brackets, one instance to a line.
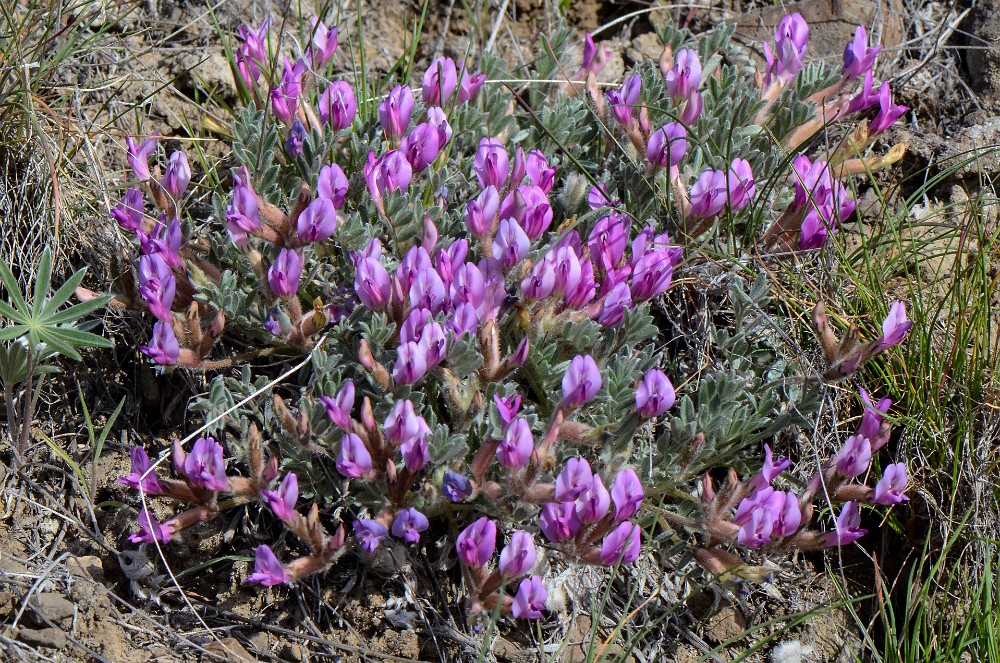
[473, 283]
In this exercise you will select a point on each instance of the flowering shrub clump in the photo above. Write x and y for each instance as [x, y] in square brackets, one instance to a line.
[472, 284]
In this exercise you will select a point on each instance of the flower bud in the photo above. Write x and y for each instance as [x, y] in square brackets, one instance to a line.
[515, 449]
[476, 543]
[353, 461]
[655, 394]
[581, 382]
[394, 112]
[284, 273]
[337, 106]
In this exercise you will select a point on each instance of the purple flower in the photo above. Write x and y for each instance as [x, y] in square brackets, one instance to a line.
[741, 184]
[598, 197]
[848, 527]
[625, 98]
[692, 109]
[655, 394]
[530, 207]
[332, 185]
[243, 212]
[421, 146]
[337, 106]
[437, 118]
[768, 471]
[515, 449]
[709, 193]
[428, 291]
[529, 602]
[865, 99]
[469, 85]
[518, 556]
[894, 327]
[622, 545]
[615, 304]
[476, 543]
[252, 53]
[667, 145]
[627, 494]
[165, 240]
[608, 240]
[755, 531]
[507, 408]
[372, 284]
[456, 486]
[317, 222]
[157, 285]
[129, 212]
[138, 155]
[163, 349]
[575, 479]
[652, 275]
[284, 273]
[790, 40]
[889, 489]
[177, 175]
[394, 112]
[871, 420]
[540, 173]
[388, 174]
[339, 408]
[440, 81]
[415, 453]
[205, 467]
[559, 521]
[594, 57]
[267, 569]
[370, 533]
[324, 42]
[581, 382]
[297, 137]
[285, 96]
[593, 504]
[858, 58]
[138, 479]
[853, 459]
[585, 288]
[684, 77]
[491, 164]
[282, 501]
[403, 423]
[353, 461]
[511, 244]
[150, 530]
[888, 112]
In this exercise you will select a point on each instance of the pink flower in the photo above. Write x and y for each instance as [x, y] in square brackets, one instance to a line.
[395, 110]
[150, 530]
[139, 479]
[581, 382]
[593, 504]
[895, 327]
[332, 185]
[848, 527]
[282, 501]
[684, 77]
[888, 112]
[353, 461]
[440, 81]
[408, 525]
[627, 494]
[622, 545]
[575, 479]
[491, 164]
[559, 521]
[518, 556]
[709, 194]
[889, 489]
[339, 408]
[317, 222]
[529, 602]
[667, 145]
[655, 394]
[476, 543]
[129, 211]
[284, 274]
[594, 57]
[205, 467]
[324, 42]
[858, 58]
[853, 458]
[370, 533]
[337, 106]
[515, 449]
[163, 349]
[624, 99]
[267, 570]
[139, 153]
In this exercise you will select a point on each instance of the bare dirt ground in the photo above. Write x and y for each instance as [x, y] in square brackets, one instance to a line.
[73, 589]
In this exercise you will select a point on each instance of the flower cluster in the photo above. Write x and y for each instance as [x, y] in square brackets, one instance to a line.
[475, 302]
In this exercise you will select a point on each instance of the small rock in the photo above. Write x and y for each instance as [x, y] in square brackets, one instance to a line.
[54, 607]
[214, 74]
[646, 46]
[87, 566]
[260, 641]
[231, 650]
[44, 637]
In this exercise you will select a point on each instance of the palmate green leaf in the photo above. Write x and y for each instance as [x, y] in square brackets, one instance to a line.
[13, 290]
[42, 278]
[14, 331]
[65, 291]
[77, 311]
